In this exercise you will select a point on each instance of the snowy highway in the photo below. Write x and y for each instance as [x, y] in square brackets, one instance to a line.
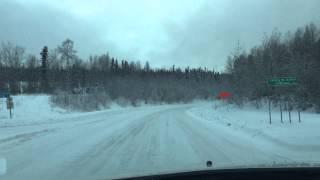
[109, 89]
[122, 143]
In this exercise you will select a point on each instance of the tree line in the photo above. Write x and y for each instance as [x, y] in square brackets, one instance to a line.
[290, 55]
[61, 70]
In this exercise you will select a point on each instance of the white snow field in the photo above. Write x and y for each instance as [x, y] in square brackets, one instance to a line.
[44, 143]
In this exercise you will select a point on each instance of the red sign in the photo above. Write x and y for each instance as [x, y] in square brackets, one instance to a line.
[224, 95]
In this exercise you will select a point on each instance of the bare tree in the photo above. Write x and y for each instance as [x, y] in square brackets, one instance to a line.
[68, 54]
[68, 57]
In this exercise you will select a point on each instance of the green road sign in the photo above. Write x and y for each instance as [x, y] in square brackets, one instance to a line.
[282, 81]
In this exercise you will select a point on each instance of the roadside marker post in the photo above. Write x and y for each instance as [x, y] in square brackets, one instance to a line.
[10, 105]
[281, 110]
[270, 122]
[289, 111]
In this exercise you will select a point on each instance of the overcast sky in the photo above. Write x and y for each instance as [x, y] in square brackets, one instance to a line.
[164, 32]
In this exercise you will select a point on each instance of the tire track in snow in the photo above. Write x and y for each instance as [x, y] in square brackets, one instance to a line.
[113, 154]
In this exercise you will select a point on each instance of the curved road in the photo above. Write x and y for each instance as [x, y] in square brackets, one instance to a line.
[124, 143]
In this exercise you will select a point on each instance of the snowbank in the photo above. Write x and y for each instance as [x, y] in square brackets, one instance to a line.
[254, 124]
[29, 108]
[34, 114]
[37, 109]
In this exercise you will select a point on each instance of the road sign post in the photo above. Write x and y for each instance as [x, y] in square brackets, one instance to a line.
[270, 122]
[10, 105]
[283, 81]
[281, 110]
[289, 111]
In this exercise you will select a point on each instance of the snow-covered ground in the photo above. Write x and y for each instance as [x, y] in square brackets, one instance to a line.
[29, 108]
[32, 108]
[42, 142]
[254, 123]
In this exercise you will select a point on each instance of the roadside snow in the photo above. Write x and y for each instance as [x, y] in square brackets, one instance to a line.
[131, 141]
[254, 123]
[33, 113]
[29, 107]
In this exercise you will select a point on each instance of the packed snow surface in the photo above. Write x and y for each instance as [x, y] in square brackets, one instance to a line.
[45, 142]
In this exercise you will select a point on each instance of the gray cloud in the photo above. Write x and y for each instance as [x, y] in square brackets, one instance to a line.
[163, 32]
[211, 35]
[38, 25]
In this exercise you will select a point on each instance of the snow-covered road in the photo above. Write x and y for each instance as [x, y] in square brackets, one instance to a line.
[123, 143]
